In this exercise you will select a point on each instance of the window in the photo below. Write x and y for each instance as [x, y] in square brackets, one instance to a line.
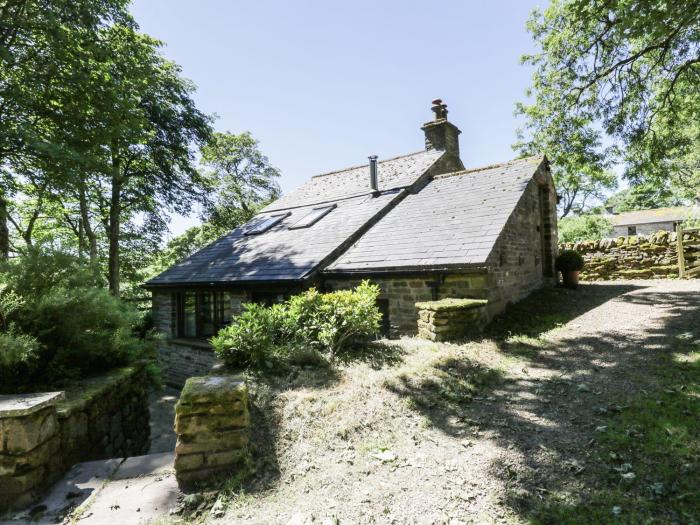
[263, 224]
[201, 314]
[313, 217]
[631, 230]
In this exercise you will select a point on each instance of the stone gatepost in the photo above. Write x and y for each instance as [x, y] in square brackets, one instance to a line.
[29, 442]
[212, 425]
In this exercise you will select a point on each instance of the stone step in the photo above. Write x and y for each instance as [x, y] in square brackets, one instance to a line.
[132, 490]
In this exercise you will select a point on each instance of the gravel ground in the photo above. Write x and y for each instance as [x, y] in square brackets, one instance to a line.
[460, 433]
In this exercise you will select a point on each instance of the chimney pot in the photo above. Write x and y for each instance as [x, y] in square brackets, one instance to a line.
[373, 182]
[440, 134]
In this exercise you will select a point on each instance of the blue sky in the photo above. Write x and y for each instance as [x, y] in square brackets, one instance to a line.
[324, 84]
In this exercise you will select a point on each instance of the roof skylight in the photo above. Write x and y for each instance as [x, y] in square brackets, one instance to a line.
[313, 217]
[265, 224]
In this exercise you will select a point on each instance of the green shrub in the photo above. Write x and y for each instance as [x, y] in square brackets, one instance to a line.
[323, 323]
[569, 261]
[65, 325]
[584, 228]
[253, 338]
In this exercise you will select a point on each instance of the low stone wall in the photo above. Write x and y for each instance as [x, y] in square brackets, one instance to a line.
[43, 435]
[212, 424]
[180, 359]
[635, 257]
[450, 319]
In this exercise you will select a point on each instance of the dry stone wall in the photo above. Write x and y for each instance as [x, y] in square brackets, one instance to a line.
[635, 257]
[451, 319]
[43, 435]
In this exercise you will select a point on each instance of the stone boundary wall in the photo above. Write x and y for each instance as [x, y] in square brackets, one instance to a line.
[451, 319]
[652, 256]
[43, 435]
[212, 424]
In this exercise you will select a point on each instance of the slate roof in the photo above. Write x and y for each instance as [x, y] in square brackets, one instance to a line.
[398, 172]
[453, 221]
[281, 254]
[677, 214]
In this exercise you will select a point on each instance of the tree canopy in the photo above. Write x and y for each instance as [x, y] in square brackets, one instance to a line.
[615, 81]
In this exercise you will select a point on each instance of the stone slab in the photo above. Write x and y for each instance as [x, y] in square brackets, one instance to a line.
[79, 483]
[17, 405]
[134, 501]
[150, 465]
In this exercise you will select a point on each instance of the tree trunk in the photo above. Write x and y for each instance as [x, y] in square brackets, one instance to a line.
[4, 232]
[86, 226]
[114, 225]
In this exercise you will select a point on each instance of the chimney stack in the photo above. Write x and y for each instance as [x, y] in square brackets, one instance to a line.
[440, 134]
[373, 183]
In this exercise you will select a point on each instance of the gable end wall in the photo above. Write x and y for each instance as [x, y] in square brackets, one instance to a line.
[516, 264]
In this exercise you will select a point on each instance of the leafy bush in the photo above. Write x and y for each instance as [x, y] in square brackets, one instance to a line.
[584, 228]
[64, 325]
[326, 323]
[569, 261]
[253, 338]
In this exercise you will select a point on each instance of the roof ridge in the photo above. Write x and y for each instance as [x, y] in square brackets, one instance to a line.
[335, 172]
[488, 167]
[686, 207]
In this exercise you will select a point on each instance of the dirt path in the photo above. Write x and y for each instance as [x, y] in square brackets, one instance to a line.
[463, 433]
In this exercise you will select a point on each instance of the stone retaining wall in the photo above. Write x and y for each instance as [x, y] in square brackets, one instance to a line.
[451, 319]
[43, 435]
[212, 423]
[635, 257]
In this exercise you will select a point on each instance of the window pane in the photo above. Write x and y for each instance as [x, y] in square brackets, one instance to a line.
[206, 314]
[262, 224]
[225, 312]
[312, 217]
[189, 324]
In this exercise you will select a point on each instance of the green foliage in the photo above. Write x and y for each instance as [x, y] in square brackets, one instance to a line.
[65, 325]
[644, 196]
[241, 176]
[569, 261]
[330, 321]
[616, 82]
[327, 323]
[254, 338]
[584, 228]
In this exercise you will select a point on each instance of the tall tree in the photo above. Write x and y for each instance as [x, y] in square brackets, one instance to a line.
[619, 73]
[148, 126]
[39, 41]
[240, 178]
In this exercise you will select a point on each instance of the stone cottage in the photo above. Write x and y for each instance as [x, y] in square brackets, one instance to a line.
[645, 222]
[420, 225]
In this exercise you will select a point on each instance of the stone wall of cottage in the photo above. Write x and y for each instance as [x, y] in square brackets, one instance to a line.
[635, 257]
[183, 358]
[518, 263]
[101, 417]
[403, 292]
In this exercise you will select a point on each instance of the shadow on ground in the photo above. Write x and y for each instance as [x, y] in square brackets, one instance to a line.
[604, 420]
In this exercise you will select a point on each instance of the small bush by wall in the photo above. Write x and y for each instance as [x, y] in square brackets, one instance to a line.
[635, 257]
[325, 322]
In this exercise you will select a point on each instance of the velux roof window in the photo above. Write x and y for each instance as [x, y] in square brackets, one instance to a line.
[312, 217]
[265, 224]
